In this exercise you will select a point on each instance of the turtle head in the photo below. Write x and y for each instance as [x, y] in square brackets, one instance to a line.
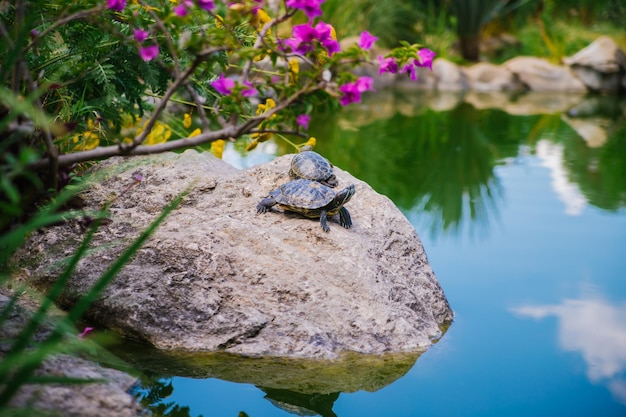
[344, 195]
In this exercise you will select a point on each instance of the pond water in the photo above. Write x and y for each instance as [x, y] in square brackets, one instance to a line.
[521, 210]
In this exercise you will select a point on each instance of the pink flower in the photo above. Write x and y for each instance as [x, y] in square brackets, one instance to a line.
[302, 40]
[140, 35]
[249, 89]
[366, 41]
[207, 5]
[387, 65]
[148, 53]
[303, 120]
[364, 84]
[223, 85]
[116, 5]
[181, 9]
[425, 58]
[352, 91]
[312, 8]
[325, 36]
[305, 35]
[85, 332]
[411, 69]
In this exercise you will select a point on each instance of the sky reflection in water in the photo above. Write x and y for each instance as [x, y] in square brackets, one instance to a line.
[527, 240]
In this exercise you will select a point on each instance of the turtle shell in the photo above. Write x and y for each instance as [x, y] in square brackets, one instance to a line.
[303, 195]
[311, 166]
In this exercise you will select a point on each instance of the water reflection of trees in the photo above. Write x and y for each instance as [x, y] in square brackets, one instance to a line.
[442, 164]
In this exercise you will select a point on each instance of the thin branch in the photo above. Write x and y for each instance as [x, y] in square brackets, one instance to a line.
[228, 132]
[260, 40]
[78, 15]
[125, 148]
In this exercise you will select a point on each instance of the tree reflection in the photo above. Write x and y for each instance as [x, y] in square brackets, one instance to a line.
[152, 393]
[441, 166]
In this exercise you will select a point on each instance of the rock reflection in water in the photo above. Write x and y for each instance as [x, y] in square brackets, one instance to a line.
[595, 328]
[300, 386]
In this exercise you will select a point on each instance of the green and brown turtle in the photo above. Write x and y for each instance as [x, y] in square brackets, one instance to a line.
[312, 166]
[311, 199]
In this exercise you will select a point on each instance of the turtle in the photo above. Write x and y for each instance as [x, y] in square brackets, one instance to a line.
[312, 166]
[311, 199]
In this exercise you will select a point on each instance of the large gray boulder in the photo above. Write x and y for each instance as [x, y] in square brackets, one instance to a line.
[601, 65]
[217, 276]
[540, 75]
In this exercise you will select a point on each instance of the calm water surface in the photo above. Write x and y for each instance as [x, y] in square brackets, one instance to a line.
[524, 223]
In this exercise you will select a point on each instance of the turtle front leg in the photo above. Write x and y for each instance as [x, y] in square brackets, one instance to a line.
[265, 205]
[344, 218]
[324, 221]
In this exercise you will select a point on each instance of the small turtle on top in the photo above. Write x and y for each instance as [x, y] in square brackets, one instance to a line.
[312, 166]
[310, 199]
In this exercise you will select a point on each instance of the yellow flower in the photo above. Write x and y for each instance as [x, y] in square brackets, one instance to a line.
[160, 133]
[261, 137]
[217, 148]
[294, 69]
[128, 120]
[86, 140]
[260, 19]
[311, 142]
[252, 145]
[187, 120]
[195, 132]
[262, 108]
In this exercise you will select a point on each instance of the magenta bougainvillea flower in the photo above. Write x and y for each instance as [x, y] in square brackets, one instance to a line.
[303, 120]
[249, 90]
[140, 35]
[366, 40]
[183, 8]
[312, 8]
[410, 68]
[207, 5]
[305, 35]
[352, 91]
[85, 332]
[326, 38]
[117, 5]
[387, 65]
[425, 58]
[302, 40]
[148, 53]
[364, 84]
[223, 85]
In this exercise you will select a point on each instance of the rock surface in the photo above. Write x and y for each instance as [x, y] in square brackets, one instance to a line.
[216, 276]
[540, 75]
[601, 65]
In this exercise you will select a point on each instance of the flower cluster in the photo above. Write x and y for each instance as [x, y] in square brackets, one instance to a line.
[390, 64]
[225, 87]
[314, 42]
[312, 8]
[304, 37]
[352, 91]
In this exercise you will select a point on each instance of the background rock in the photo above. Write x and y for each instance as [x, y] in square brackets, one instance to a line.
[218, 277]
[540, 75]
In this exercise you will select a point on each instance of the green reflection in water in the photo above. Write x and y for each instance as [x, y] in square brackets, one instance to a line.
[301, 386]
[443, 164]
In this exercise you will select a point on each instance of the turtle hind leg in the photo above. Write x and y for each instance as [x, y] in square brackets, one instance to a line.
[265, 205]
[324, 221]
[344, 218]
